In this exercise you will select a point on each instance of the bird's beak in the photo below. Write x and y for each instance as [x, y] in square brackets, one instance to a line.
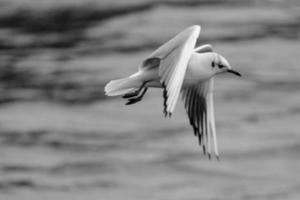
[233, 72]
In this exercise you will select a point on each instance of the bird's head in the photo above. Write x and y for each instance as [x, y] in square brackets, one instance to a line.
[221, 65]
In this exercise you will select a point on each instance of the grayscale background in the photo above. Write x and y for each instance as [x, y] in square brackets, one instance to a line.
[62, 139]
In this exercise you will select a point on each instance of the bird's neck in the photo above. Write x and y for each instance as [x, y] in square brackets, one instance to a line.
[199, 68]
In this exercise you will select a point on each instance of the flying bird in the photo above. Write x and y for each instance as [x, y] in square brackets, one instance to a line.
[179, 67]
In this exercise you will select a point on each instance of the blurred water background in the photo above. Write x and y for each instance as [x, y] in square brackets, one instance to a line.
[61, 138]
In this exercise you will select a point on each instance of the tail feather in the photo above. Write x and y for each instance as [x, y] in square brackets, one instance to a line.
[119, 87]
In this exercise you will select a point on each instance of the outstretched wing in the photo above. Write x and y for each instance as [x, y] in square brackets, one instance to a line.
[174, 57]
[200, 109]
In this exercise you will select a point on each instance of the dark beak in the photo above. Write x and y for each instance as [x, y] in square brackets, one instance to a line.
[234, 72]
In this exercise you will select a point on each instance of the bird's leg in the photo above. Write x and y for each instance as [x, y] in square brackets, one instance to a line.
[137, 98]
[135, 93]
[131, 94]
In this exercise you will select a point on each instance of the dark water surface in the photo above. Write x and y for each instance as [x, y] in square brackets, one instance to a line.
[61, 138]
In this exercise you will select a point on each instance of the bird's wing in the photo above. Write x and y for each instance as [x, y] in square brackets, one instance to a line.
[204, 48]
[200, 109]
[173, 60]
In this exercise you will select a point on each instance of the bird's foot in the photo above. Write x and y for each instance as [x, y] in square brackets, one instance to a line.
[136, 99]
[133, 100]
[131, 94]
[135, 93]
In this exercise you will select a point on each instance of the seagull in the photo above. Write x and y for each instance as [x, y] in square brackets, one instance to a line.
[179, 67]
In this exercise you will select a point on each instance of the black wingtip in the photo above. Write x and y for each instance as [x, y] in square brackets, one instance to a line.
[165, 96]
[195, 130]
[167, 114]
[204, 150]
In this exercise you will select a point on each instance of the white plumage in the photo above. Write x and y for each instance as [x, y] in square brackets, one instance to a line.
[180, 67]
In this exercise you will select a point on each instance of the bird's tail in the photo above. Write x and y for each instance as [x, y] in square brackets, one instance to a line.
[121, 86]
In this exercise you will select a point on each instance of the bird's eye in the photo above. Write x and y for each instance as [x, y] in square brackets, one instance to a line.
[213, 64]
[221, 66]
